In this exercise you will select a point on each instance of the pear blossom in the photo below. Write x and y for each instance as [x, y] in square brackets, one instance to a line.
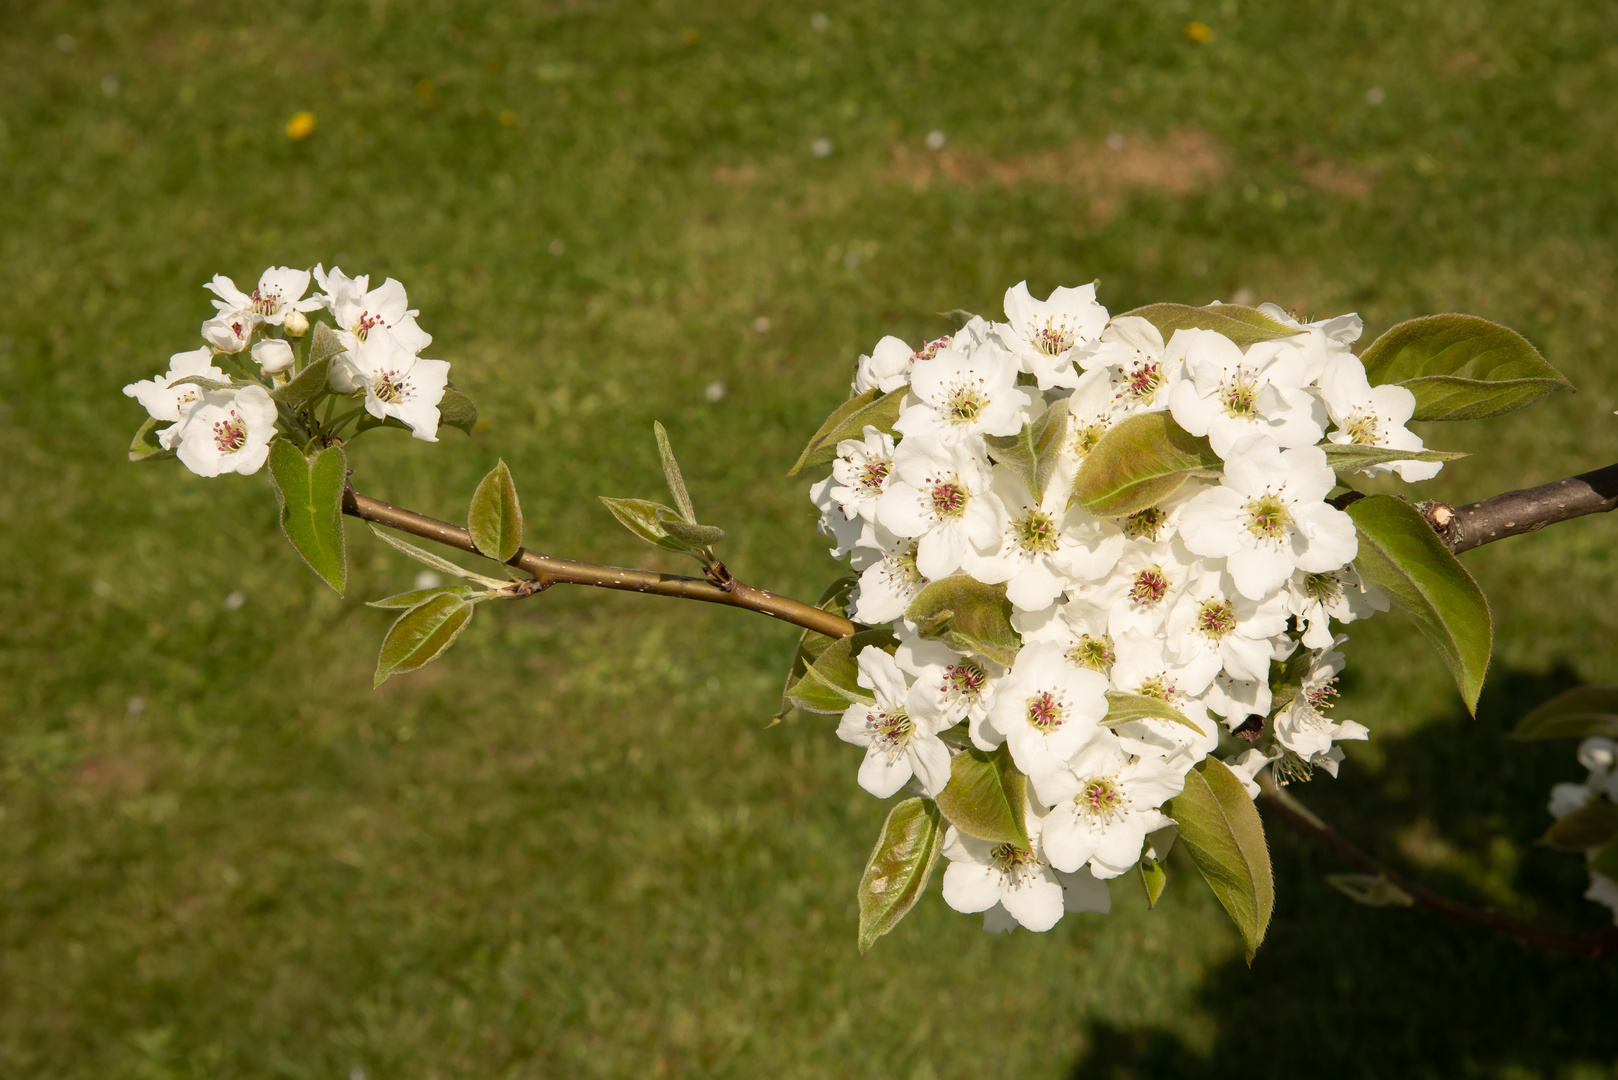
[1269, 517]
[230, 332]
[1603, 890]
[1303, 726]
[1249, 763]
[836, 521]
[360, 309]
[1236, 700]
[1228, 394]
[400, 384]
[1143, 587]
[165, 401]
[1079, 626]
[1133, 355]
[900, 743]
[1213, 627]
[1316, 599]
[1090, 414]
[1318, 341]
[1144, 664]
[224, 431]
[948, 687]
[862, 470]
[964, 395]
[889, 365]
[889, 579]
[1044, 545]
[273, 355]
[1368, 415]
[279, 293]
[982, 875]
[940, 495]
[1104, 802]
[1045, 708]
[1048, 335]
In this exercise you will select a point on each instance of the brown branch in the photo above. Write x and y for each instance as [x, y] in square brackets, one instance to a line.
[1593, 943]
[548, 571]
[1528, 510]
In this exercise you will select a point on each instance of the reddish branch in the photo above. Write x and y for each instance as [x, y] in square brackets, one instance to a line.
[1593, 944]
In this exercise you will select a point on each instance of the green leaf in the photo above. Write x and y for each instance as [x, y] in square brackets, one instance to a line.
[1033, 452]
[1221, 828]
[1243, 325]
[671, 472]
[325, 345]
[456, 410]
[209, 384]
[307, 384]
[958, 316]
[1352, 457]
[1287, 676]
[899, 868]
[420, 596]
[143, 447]
[1575, 714]
[1401, 555]
[985, 796]
[1606, 862]
[420, 636]
[967, 615]
[1140, 462]
[831, 683]
[1461, 367]
[849, 421]
[1594, 825]
[812, 644]
[495, 517]
[1372, 890]
[1154, 876]
[650, 521]
[311, 496]
[1124, 708]
[427, 558]
[700, 536]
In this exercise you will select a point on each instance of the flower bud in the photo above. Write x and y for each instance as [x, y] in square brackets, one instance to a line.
[297, 323]
[273, 355]
[228, 332]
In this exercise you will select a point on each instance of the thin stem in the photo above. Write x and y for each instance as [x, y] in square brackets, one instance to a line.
[1279, 801]
[550, 571]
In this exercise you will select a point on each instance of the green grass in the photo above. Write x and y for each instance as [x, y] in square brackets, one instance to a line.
[573, 848]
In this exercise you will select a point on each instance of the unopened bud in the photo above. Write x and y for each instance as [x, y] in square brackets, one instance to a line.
[273, 355]
[297, 324]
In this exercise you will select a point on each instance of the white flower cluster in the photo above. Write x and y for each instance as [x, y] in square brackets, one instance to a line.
[1600, 756]
[1187, 602]
[224, 422]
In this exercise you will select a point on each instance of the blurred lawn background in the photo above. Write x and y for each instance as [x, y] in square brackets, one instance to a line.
[572, 848]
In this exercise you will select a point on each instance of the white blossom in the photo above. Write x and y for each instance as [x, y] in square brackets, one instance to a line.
[1044, 545]
[948, 687]
[224, 431]
[940, 495]
[360, 309]
[900, 743]
[1303, 726]
[273, 355]
[165, 401]
[1213, 627]
[889, 579]
[1132, 354]
[1145, 665]
[888, 366]
[230, 332]
[400, 384]
[1368, 415]
[1317, 599]
[1319, 341]
[1079, 627]
[1228, 394]
[1143, 588]
[836, 521]
[278, 294]
[1104, 802]
[964, 395]
[1269, 517]
[1249, 763]
[1045, 708]
[982, 875]
[862, 469]
[1048, 335]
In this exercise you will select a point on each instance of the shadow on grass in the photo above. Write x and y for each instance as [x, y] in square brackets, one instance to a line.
[1343, 990]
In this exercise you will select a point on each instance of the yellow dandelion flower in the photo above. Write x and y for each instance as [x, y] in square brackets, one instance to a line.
[1199, 32]
[508, 118]
[301, 126]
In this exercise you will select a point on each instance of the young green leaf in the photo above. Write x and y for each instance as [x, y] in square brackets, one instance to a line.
[420, 636]
[671, 472]
[985, 796]
[1140, 462]
[967, 615]
[1461, 367]
[427, 558]
[1033, 452]
[1574, 714]
[1287, 676]
[1401, 555]
[899, 868]
[495, 517]
[324, 345]
[1154, 876]
[959, 317]
[811, 645]
[306, 384]
[831, 683]
[207, 383]
[1124, 708]
[1243, 325]
[1594, 825]
[1372, 890]
[456, 410]
[698, 536]
[1221, 828]
[419, 596]
[1352, 457]
[144, 446]
[848, 421]
[311, 495]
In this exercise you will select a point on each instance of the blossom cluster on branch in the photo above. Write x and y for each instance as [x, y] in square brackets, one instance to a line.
[1180, 608]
